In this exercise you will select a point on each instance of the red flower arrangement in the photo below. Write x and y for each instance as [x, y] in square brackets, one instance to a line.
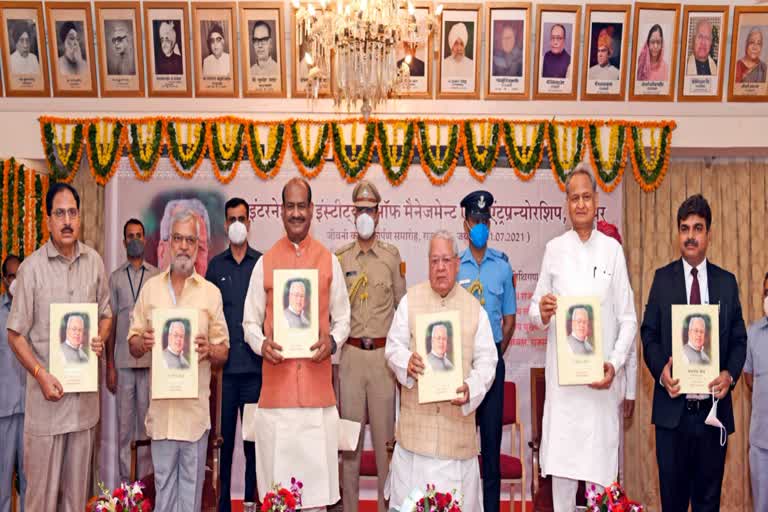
[280, 499]
[434, 501]
[126, 498]
[613, 499]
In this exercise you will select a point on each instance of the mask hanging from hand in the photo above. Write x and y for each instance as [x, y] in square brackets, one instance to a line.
[478, 235]
[365, 226]
[237, 233]
[713, 421]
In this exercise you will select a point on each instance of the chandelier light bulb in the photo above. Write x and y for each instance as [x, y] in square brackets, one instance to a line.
[308, 59]
[311, 10]
[411, 9]
[296, 4]
[408, 59]
[439, 10]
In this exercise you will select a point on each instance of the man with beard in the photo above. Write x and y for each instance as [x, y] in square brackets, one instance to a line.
[168, 60]
[23, 61]
[59, 429]
[690, 454]
[296, 419]
[263, 63]
[127, 376]
[231, 272]
[122, 61]
[179, 427]
[217, 63]
[72, 60]
[203, 235]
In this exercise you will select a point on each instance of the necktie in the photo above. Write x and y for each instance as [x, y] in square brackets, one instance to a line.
[695, 290]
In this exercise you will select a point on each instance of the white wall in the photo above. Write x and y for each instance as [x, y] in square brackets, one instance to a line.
[702, 126]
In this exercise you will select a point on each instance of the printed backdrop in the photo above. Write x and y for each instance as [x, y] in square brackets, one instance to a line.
[525, 216]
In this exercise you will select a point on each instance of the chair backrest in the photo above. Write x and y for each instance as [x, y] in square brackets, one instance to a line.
[538, 388]
[509, 415]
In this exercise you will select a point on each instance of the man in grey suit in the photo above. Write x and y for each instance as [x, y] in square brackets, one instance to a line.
[173, 355]
[437, 357]
[577, 340]
[72, 347]
[294, 313]
[694, 349]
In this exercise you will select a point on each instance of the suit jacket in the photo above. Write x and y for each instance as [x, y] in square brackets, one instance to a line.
[416, 67]
[656, 333]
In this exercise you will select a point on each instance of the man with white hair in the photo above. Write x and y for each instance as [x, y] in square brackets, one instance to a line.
[173, 354]
[72, 347]
[456, 64]
[168, 59]
[121, 61]
[579, 440]
[578, 338]
[198, 209]
[437, 442]
[694, 349]
[179, 427]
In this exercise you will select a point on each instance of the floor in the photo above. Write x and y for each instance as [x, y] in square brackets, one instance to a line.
[370, 506]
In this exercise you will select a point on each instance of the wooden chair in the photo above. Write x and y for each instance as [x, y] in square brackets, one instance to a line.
[211, 490]
[541, 488]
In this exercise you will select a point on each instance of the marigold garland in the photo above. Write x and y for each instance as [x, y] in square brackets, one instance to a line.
[10, 211]
[353, 167]
[46, 186]
[275, 150]
[38, 210]
[145, 139]
[6, 195]
[18, 207]
[385, 149]
[481, 162]
[29, 211]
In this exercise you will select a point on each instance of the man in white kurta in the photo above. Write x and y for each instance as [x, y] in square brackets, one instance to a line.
[428, 434]
[457, 65]
[580, 438]
[296, 420]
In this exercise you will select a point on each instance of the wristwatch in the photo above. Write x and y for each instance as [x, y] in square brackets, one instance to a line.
[334, 346]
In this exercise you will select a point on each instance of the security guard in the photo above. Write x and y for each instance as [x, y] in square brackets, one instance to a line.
[486, 273]
[375, 278]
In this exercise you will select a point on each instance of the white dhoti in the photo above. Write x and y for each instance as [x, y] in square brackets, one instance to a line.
[409, 471]
[300, 443]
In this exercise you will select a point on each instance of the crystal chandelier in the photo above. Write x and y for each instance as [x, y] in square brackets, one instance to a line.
[355, 45]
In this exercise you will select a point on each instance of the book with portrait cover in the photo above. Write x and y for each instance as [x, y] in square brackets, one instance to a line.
[295, 311]
[695, 346]
[174, 359]
[579, 341]
[438, 342]
[70, 358]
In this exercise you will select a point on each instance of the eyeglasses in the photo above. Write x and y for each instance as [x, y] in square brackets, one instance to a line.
[215, 39]
[261, 40]
[60, 213]
[178, 239]
[118, 39]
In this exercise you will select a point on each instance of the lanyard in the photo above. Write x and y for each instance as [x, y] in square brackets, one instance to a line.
[135, 294]
[170, 289]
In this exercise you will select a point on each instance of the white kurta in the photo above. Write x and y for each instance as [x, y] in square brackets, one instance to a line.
[216, 67]
[300, 442]
[580, 434]
[28, 65]
[409, 470]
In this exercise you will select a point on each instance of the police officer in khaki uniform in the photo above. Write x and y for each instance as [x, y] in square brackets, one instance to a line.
[375, 278]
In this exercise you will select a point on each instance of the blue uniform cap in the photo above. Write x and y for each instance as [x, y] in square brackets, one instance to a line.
[477, 204]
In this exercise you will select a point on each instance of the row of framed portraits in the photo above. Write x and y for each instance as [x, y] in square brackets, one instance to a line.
[212, 60]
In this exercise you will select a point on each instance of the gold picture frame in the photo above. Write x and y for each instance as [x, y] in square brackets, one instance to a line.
[689, 86]
[503, 81]
[550, 82]
[168, 75]
[269, 86]
[454, 15]
[215, 75]
[299, 68]
[421, 84]
[25, 71]
[121, 52]
[70, 38]
[648, 18]
[612, 21]
[750, 90]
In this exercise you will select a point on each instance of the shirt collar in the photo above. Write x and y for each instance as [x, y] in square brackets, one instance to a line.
[588, 241]
[466, 256]
[249, 252]
[52, 252]
[701, 267]
[126, 264]
[195, 277]
[372, 249]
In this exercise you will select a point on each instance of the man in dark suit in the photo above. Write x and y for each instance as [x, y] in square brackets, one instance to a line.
[416, 66]
[690, 457]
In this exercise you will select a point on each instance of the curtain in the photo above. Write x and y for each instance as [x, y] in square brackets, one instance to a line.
[737, 193]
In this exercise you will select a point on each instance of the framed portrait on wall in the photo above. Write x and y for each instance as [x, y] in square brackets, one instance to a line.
[459, 61]
[215, 40]
[557, 55]
[261, 36]
[606, 32]
[121, 56]
[654, 54]
[302, 65]
[25, 68]
[166, 29]
[71, 43]
[507, 64]
[749, 55]
[702, 59]
[419, 85]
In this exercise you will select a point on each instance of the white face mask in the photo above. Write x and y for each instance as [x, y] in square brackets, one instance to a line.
[237, 233]
[365, 226]
[12, 288]
[765, 306]
[712, 421]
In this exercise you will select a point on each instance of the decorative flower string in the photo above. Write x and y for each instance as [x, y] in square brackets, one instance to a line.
[267, 164]
[280, 499]
[389, 156]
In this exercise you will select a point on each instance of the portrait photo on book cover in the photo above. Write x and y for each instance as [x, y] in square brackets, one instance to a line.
[296, 303]
[74, 333]
[439, 345]
[697, 332]
[580, 326]
[176, 344]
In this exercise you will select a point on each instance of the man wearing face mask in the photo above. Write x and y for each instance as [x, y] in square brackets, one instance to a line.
[690, 444]
[756, 377]
[487, 275]
[128, 376]
[375, 278]
[231, 272]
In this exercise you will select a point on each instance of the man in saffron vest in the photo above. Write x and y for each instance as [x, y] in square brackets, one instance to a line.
[437, 442]
[296, 418]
